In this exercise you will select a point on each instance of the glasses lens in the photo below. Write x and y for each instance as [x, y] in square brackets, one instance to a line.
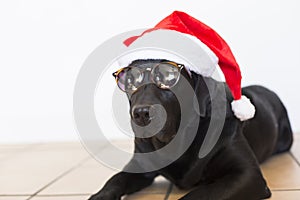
[165, 75]
[130, 79]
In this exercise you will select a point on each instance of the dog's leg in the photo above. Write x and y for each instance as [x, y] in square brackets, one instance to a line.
[239, 176]
[242, 185]
[123, 183]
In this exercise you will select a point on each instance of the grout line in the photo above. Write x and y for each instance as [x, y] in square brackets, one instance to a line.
[59, 177]
[46, 195]
[295, 159]
[62, 195]
[169, 190]
[284, 190]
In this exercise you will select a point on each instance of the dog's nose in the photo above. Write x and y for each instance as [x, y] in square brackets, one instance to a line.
[141, 115]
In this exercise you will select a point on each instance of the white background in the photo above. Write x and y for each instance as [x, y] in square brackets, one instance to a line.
[44, 43]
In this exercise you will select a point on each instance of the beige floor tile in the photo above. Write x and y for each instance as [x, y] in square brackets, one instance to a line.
[31, 167]
[126, 145]
[59, 146]
[145, 197]
[90, 177]
[177, 193]
[64, 197]
[86, 179]
[95, 163]
[282, 172]
[14, 197]
[4, 156]
[176, 190]
[32, 170]
[285, 195]
[92, 162]
[296, 147]
[160, 186]
[175, 196]
[9, 151]
[16, 147]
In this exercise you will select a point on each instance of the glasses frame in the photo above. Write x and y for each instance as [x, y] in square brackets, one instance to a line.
[177, 65]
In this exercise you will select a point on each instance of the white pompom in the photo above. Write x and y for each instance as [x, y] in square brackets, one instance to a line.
[243, 108]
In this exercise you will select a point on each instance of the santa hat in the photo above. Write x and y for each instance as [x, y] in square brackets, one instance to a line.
[215, 47]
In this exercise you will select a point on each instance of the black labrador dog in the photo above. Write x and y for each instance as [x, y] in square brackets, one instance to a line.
[231, 169]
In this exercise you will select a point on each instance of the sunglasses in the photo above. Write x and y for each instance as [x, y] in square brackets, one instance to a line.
[165, 75]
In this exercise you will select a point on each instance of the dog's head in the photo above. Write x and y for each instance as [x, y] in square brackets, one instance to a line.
[149, 89]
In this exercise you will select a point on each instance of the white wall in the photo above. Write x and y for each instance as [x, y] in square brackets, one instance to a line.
[44, 43]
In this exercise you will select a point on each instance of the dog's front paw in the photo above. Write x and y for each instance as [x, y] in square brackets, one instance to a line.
[104, 196]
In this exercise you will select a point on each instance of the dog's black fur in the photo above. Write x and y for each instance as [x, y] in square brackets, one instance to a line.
[231, 170]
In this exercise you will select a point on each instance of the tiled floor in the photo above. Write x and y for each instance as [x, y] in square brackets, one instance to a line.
[65, 171]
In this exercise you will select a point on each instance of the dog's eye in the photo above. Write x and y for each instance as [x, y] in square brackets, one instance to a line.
[165, 75]
[129, 80]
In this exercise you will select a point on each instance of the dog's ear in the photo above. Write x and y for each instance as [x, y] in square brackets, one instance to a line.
[201, 102]
[211, 96]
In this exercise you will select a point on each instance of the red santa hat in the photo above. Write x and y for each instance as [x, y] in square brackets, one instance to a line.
[215, 47]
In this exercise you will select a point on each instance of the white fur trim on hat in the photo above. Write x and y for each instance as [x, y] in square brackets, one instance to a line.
[208, 69]
[243, 108]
